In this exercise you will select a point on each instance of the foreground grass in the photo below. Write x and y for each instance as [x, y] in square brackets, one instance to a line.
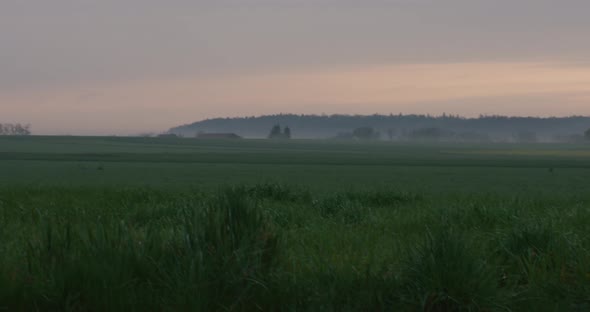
[272, 247]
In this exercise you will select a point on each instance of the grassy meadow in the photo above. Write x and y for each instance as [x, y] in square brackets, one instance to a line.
[147, 224]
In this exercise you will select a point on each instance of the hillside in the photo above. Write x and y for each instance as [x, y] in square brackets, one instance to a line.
[401, 127]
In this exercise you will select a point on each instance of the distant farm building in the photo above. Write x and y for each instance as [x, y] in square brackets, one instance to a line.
[167, 135]
[218, 136]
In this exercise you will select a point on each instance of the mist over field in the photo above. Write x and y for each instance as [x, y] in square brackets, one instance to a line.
[295, 155]
[400, 127]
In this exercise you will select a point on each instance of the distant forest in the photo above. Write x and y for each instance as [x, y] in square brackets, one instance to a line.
[401, 127]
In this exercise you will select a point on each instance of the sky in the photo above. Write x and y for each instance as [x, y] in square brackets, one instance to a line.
[125, 67]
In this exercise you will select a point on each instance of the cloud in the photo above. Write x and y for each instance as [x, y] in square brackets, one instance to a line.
[512, 88]
[69, 42]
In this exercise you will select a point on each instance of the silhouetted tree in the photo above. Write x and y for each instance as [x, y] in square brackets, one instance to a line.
[15, 129]
[275, 132]
[22, 130]
[587, 134]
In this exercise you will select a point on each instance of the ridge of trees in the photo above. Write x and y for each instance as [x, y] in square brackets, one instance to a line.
[402, 127]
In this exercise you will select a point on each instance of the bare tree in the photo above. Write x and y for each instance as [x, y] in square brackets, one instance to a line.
[15, 129]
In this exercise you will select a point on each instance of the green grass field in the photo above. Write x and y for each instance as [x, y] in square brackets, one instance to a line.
[145, 224]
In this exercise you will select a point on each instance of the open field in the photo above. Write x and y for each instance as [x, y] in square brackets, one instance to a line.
[136, 224]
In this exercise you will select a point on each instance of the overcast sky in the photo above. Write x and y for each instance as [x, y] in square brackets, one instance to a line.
[131, 66]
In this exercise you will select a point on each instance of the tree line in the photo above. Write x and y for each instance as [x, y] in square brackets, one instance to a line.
[14, 129]
[402, 127]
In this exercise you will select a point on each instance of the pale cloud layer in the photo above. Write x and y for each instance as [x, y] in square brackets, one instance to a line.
[126, 66]
[465, 88]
